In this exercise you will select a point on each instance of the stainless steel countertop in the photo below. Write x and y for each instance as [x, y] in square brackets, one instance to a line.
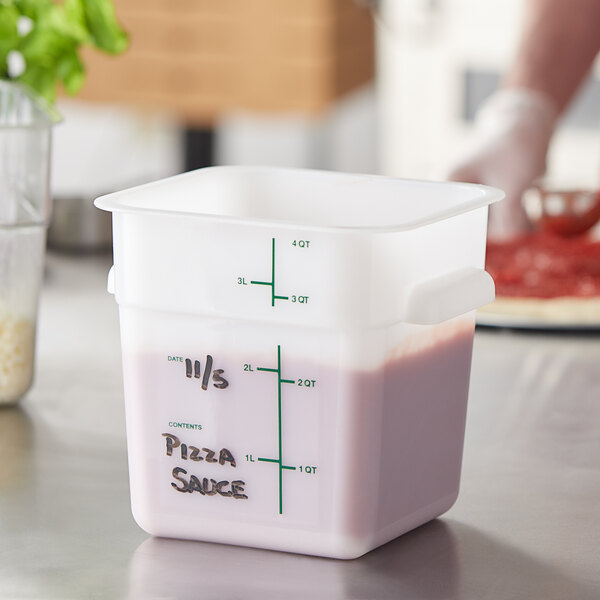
[526, 525]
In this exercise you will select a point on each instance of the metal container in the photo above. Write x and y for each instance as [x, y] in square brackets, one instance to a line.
[78, 226]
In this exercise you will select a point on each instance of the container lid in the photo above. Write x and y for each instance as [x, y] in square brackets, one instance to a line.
[308, 199]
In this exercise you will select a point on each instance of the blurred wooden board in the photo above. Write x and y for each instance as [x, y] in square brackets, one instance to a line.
[198, 58]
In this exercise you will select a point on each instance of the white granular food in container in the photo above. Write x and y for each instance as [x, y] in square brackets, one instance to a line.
[17, 343]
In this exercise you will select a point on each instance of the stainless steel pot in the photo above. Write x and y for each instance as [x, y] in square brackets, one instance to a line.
[78, 226]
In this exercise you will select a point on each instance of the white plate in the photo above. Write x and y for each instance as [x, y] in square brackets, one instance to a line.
[490, 319]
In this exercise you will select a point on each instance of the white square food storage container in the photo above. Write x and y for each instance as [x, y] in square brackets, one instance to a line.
[296, 352]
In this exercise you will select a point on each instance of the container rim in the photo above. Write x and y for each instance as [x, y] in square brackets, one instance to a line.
[116, 202]
[42, 114]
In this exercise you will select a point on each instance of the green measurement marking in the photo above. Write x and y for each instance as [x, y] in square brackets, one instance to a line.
[274, 460]
[271, 283]
[278, 461]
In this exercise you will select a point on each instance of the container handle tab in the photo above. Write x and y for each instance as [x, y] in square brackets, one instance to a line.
[110, 281]
[441, 298]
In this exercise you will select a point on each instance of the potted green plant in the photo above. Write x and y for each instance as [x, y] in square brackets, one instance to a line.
[40, 44]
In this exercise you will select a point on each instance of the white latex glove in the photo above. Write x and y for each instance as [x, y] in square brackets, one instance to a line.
[508, 151]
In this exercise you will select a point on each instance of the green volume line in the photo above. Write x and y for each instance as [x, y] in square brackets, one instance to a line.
[274, 296]
[271, 283]
[279, 423]
[278, 461]
[273, 272]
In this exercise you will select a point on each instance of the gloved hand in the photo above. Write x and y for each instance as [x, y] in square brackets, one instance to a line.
[508, 151]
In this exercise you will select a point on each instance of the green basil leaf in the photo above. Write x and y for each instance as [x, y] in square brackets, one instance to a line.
[44, 46]
[50, 49]
[71, 72]
[74, 11]
[60, 21]
[9, 35]
[41, 80]
[33, 8]
[103, 26]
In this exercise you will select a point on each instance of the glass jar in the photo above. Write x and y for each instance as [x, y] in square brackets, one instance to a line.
[25, 130]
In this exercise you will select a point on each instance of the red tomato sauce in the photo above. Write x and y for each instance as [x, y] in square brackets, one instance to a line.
[542, 265]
